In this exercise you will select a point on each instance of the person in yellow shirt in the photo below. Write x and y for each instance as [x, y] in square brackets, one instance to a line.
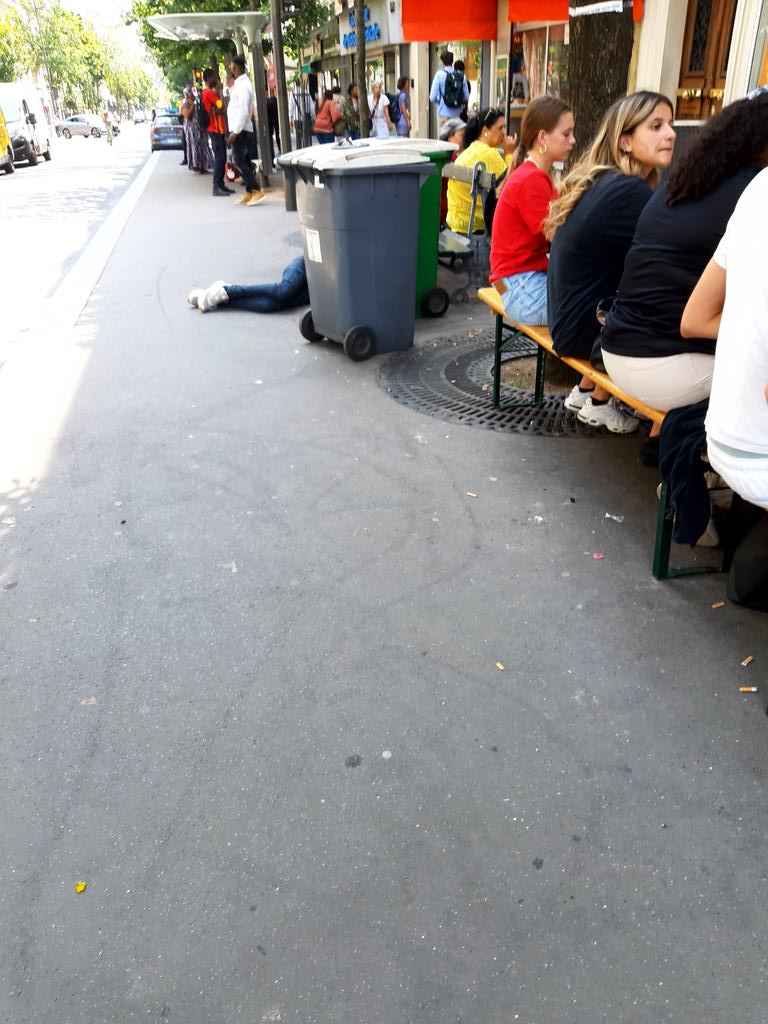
[485, 135]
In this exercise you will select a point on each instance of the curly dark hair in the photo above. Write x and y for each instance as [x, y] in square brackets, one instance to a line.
[734, 138]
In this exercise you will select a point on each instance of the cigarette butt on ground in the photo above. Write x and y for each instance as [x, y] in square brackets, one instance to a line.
[747, 661]
[719, 604]
[747, 689]
[500, 666]
[471, 494]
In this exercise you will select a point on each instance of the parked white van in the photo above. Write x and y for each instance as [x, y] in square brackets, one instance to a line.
[27, 126]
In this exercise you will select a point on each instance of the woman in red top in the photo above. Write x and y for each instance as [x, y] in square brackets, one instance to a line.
[518, 247]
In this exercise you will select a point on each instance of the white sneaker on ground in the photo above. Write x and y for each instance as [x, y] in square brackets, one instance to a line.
[609, 416]
[194, 295]
[212, 297]
[577, 398]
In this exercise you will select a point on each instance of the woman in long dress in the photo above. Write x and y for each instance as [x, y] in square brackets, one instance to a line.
[378, 104]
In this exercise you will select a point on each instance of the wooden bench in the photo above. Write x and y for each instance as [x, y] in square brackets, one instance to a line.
[506, 332]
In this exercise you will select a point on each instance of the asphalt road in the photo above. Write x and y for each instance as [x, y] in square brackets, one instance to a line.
[50, 211]
[251, 619]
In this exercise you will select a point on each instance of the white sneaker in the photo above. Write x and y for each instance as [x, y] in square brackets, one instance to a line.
[577, 398]
[609, 416]
[194, 295]
[212, 297]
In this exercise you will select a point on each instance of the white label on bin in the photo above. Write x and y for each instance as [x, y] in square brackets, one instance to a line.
[313, 245]
[318, 182]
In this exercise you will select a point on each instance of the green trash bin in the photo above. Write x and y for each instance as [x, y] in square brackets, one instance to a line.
[431, 300]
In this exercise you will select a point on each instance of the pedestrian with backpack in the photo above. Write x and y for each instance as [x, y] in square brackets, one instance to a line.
[399, 112]
[449, 91]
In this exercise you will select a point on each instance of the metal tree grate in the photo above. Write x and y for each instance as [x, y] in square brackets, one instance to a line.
[451, 380]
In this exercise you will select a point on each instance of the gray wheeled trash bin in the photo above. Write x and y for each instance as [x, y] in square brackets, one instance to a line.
[359, 215]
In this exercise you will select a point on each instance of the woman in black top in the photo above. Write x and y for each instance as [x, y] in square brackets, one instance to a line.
[591, 224]
[676, 235]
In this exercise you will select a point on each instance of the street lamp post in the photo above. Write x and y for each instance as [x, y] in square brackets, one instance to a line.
[281, 88]
[362, 88]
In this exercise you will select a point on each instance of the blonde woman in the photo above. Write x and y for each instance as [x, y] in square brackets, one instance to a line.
[591, 225]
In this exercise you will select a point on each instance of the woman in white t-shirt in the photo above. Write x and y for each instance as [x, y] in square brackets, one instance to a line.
[730, 303]
[378, 104]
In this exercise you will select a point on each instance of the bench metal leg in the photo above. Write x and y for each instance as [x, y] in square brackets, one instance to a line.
[504, 334]
[664, 524]
[541, 362]
[499, 341]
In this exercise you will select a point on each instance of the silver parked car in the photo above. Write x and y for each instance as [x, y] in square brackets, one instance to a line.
[83, 124]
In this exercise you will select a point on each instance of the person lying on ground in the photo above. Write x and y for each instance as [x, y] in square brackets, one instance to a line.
[288, 293]
[591, 225]
[518, 246]
[730, 303]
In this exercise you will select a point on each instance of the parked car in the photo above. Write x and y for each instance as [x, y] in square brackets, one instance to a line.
[139, 117]
[6, 149]
[26, 122]
[83, 124]
[167, 132]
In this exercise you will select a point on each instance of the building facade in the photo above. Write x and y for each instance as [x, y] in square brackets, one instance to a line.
[700, 53]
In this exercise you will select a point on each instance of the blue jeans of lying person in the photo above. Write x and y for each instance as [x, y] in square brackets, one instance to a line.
[292, 291]
[525, 299]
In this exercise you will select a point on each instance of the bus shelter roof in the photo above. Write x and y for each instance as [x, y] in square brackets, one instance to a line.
[226, 25]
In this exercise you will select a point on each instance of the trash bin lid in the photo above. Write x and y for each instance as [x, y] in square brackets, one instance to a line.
[319, 157]
[361, 160]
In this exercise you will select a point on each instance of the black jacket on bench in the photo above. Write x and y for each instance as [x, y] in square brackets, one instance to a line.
[587, 259]
[671, 248]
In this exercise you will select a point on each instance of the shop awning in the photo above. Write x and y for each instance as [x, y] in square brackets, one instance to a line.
[434, 21]
[553, 10]
[538, 10]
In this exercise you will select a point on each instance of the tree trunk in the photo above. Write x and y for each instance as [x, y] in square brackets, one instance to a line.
[362, 87]
[599, 56]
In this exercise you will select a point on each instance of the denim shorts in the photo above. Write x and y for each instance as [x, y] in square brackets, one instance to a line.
[525, 299]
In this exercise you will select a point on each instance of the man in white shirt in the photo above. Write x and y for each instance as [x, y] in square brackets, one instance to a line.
[240, 121]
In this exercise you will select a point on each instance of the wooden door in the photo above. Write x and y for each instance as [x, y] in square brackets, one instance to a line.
[706, 45]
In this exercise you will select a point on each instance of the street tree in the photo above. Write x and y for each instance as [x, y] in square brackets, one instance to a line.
[599, 58]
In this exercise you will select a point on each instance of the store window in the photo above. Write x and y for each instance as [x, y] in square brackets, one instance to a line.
[759, 74]
[538, 65]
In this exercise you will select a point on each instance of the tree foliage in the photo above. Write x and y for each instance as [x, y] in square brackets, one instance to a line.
[14, 49]
[177, 59]
[82, 68]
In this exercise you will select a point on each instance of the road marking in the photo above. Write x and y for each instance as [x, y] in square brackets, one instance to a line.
[46, 362]
[70, 298]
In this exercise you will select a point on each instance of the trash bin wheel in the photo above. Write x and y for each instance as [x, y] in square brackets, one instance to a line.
[307, 327]
[435, 302]
[359, 343]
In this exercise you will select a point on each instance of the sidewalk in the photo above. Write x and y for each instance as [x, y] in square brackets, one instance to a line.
[306, 792]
